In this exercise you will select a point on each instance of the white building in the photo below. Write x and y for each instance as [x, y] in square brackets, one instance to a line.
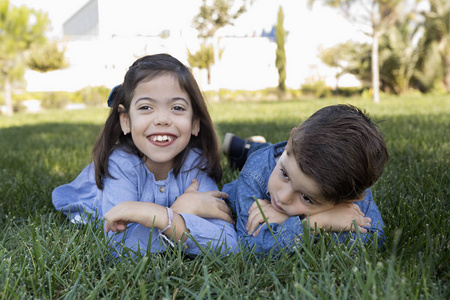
[104, 37]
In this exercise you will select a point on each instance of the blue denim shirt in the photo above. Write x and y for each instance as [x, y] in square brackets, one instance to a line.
[252, 182]
[132, 181]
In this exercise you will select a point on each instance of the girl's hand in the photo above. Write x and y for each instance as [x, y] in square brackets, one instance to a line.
[340, 218]
[255, 217]
[203, 204]
[144, 213]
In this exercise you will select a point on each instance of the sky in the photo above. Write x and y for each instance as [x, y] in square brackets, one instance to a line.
[308, 28]
[328, 25]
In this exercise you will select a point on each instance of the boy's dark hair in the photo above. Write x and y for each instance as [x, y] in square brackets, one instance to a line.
[341, 149]
[145, 69]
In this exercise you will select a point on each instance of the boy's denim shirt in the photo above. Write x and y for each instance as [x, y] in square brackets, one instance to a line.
[253, 181]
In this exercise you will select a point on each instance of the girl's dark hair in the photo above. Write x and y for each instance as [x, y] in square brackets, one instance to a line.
[145, 69]
[341, 149]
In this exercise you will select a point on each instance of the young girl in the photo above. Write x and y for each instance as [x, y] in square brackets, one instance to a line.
[155, 166]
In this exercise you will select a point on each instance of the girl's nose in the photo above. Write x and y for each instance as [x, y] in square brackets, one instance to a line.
[162, 119]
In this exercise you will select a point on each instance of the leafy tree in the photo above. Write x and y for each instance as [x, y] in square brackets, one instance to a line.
[429, 71]
[437, 33]
[398, 58]
[202, 59]
[399, 55]
[20, 28]
[351, 58]
[379, 15]
[280, 60]
[47, 57]
[213, 15]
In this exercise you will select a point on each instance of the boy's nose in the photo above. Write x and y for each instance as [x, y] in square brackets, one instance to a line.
[285, 197]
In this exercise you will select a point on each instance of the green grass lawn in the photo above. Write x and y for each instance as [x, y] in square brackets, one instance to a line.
[43, 256]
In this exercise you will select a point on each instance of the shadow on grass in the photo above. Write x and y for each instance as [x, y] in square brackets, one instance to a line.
[36, 159]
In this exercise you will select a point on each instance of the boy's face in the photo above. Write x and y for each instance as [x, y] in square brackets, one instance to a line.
[292, 191]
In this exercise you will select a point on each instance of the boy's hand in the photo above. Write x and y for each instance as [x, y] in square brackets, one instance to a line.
[340, 218]
[255, 217]
[203, 204]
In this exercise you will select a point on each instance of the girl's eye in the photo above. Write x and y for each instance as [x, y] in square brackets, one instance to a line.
[144, 107]
[284, 174]
[307, 199]
[179, 108]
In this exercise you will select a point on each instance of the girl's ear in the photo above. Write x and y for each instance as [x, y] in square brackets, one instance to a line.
[124, 120]
[195, 127]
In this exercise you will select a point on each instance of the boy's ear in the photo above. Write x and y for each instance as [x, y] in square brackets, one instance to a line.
[124, 120]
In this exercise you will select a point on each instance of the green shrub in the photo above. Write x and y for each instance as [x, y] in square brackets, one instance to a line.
[92, 96]
[316, 87]
[55, 99]
[347, 91]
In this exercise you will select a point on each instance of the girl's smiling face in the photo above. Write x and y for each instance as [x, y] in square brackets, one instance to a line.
[161, 122]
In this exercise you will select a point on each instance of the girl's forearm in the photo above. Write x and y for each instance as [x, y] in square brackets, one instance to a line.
[156, 216]
[178, 231]
[147, 214]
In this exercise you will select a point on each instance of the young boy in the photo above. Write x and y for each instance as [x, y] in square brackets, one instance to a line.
[323, 172]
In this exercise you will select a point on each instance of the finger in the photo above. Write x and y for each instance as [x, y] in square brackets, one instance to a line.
[255, 205]
[110, 227]
[252, 208]
[366, 222]
[226, 217]
[193, 187]
[363, 221]
[358, 209]
[223, 206]
[121, 227]
[255, 234]
[253, 222]
[362, 229]
[218, 194]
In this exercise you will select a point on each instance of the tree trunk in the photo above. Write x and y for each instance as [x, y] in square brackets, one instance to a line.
[208, 74]
[8, 97]
[375, 63]
[447, 69]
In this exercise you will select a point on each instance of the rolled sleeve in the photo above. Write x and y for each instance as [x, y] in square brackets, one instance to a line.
[213, 234]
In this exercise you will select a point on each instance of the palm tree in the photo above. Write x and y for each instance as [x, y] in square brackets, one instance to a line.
[437, 32]
[379, 15]
[399, 55]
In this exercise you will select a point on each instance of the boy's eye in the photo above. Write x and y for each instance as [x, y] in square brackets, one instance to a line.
[307, 199]
[284, 174]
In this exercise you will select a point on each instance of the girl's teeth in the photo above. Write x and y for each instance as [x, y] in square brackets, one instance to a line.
[162, 138]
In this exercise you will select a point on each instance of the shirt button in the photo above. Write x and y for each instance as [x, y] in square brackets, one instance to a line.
[162, 189]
